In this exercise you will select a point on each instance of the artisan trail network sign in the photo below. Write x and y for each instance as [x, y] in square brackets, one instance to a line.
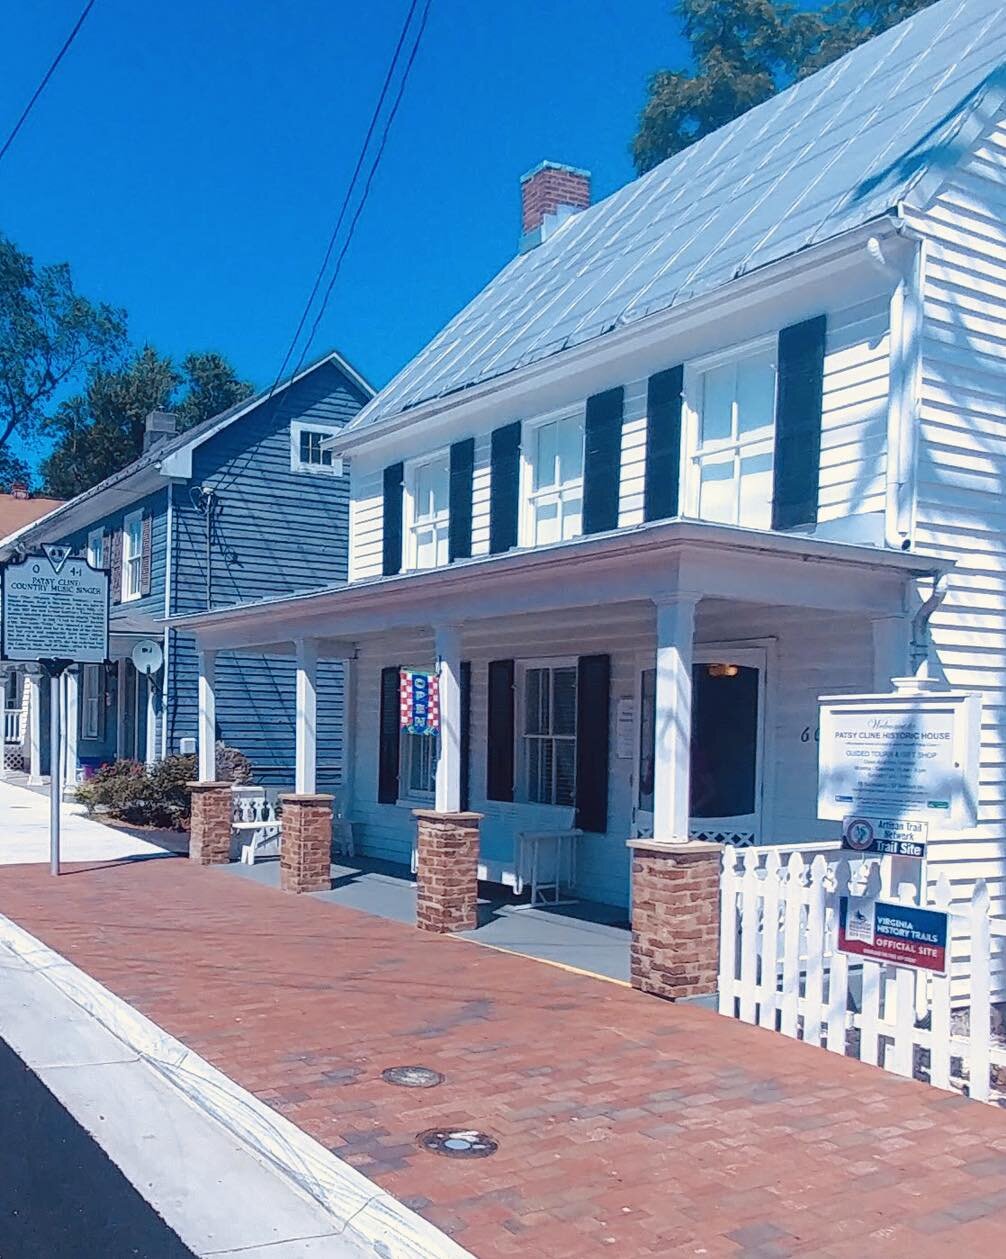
[54, 607]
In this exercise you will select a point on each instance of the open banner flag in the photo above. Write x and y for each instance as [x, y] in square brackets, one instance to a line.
[420, 696]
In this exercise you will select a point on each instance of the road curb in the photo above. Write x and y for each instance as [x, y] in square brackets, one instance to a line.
[360, 1209]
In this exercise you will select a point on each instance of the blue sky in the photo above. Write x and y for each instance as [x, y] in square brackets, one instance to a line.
[189, 159]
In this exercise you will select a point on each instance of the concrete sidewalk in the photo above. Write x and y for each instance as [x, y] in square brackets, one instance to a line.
[207, 1187]
[625, 1126]
[24, 832]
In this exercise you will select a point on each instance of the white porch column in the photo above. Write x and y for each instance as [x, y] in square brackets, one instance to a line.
[350, 668]
[33, 682]
[673, 732]
[448, 650]
[891, 650]
[150, 751]
[207, 723]
[3, 717]
[71, 727]
[306, 769]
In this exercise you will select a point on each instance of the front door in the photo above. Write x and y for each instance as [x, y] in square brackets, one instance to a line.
[728, 716]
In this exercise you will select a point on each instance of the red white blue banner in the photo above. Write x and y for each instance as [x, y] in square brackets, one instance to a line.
[420, 701]
[886, 932]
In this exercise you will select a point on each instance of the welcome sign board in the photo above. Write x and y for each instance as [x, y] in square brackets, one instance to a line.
[903, 755]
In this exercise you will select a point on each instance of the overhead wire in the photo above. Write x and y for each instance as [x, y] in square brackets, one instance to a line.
[45, 79]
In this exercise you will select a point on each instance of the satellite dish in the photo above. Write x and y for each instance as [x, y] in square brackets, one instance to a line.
[147, 656]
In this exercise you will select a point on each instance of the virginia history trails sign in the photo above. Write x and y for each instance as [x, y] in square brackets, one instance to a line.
[53, 607]
[886, 932]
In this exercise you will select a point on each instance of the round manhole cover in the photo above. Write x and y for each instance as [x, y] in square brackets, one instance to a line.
[457, 1143]
[412, 1077]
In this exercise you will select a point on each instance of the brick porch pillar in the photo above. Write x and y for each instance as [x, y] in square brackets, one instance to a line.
[675, 917]
[210, 824]
[447, 875]
[305, 849]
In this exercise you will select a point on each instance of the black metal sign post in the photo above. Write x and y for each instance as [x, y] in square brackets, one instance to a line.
[53, 670]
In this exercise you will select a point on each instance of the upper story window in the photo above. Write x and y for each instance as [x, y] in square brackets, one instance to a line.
[548, 733]
[307, 453]
[132, 556]
[732, 414]
[427, 511]
[96, 548]
[552, 480]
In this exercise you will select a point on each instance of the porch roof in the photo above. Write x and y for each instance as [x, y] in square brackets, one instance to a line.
[646, 562]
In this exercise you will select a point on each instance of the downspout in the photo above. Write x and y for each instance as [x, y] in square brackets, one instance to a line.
[920, 644]
[904, 380]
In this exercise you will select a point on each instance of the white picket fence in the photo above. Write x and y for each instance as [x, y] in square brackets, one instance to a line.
[780, 968]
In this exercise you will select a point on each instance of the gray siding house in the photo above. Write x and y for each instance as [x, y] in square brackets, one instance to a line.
[245, 504]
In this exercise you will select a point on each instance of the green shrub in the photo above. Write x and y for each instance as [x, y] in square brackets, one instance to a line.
[158, 796]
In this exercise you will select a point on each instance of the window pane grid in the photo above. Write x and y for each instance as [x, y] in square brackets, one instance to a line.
[550, 735]
[430, 514]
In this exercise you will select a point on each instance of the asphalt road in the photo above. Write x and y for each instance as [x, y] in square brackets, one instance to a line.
[61, 1197]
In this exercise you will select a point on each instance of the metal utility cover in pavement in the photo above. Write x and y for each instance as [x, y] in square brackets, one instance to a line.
[457, 1143]
[412, 1077]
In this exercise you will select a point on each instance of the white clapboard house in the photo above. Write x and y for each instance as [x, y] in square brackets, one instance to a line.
[700, 453]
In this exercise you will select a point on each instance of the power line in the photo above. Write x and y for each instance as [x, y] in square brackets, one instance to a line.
[45, 78]
[347, 200]
[367, 186]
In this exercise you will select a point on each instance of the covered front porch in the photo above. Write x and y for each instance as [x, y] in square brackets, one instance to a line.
[656, 684]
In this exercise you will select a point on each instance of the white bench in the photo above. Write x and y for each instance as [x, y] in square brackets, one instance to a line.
[254, 824]
[546, 862]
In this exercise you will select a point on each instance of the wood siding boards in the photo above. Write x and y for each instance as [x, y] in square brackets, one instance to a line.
[960, 510]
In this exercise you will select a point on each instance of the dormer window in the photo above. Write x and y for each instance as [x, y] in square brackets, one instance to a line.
[552, 480]
[427, 511]
[731, 401]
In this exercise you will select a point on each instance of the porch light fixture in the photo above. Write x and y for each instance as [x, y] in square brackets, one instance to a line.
[723, 670]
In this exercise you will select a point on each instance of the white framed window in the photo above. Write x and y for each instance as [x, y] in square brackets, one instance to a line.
[731, 404]
[547, 753]
[96, 548]
[307, 449]
[132, 555]
[427, 511]
[552, 479]
[417, 772]
[92, 701]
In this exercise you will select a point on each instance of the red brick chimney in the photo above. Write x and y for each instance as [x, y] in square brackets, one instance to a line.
[18, 489]
[549, 194]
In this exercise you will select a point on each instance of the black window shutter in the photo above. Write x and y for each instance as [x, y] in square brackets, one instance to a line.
[392, 527]
[459, 541]
[593, 686]
[387, 751]
[602, 460]
[465, 734]
[663, 444]
[504, 487]
[500, 725]
[798, 424]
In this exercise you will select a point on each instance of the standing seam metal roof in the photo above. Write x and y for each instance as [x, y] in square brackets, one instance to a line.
[838, 149]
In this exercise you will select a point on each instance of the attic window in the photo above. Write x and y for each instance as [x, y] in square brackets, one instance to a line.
[307, 452]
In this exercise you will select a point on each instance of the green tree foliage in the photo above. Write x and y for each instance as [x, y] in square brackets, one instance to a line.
[50, 337]
[12, 469]
[99, 431]
[743, 52]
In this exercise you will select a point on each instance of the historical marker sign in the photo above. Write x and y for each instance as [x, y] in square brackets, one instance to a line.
[53, 607]
[885, 931]
[898, 756]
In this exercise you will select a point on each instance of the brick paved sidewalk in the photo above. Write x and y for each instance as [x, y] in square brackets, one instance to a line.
[626, 1126]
